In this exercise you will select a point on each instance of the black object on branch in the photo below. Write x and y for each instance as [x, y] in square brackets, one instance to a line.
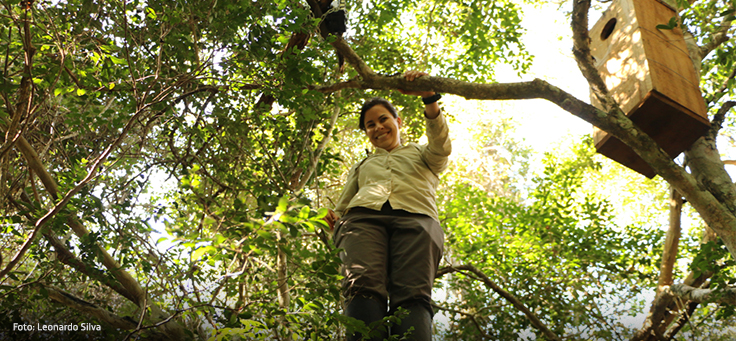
[336, 17]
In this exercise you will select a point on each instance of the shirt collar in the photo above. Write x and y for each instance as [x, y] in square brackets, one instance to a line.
[378, 151]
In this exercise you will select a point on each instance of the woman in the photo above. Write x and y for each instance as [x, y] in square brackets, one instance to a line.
[388, 225]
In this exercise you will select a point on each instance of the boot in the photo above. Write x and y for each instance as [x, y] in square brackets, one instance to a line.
[420, 318]
[369, 311]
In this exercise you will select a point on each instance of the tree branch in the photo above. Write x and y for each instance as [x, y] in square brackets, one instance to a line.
[282, 275]
[688, 293]
[704, 161]
[717, 216]
[503, 293]
[79, 229]
[35, 164]
[719, 37]
[672, 241]
[473, 318]
[313, 162]
[128, 283]
[352, 58]
[655, 317]
[581, 51]
[21, 252]
[718, 119]
[25, 96]
[80, 305]
[684, 318]
[659, 316]
[65, 256]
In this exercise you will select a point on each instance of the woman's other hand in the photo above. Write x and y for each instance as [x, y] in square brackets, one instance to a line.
[331, 218]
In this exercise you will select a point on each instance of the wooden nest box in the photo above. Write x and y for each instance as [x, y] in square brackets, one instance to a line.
[649, 73]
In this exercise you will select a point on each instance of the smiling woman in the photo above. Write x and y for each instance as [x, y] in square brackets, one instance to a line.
[389, 227]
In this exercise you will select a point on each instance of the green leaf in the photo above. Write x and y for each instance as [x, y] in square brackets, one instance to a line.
[283, 204]
[117, 60]
[671, 25]
[304, 212]
[293, 231]
[198, 253]
[150, 13]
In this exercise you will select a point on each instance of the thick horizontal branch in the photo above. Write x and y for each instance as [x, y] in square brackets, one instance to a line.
[503, 293]
[688, 293]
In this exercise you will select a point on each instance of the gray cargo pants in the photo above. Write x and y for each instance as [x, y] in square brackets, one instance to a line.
[389, 254]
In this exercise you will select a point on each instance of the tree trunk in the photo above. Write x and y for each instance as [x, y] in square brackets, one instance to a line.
[672, 241]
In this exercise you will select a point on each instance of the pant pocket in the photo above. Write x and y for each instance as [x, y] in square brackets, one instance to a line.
[336, 233]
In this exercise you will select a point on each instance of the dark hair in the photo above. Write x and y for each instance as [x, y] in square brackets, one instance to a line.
[372, 103]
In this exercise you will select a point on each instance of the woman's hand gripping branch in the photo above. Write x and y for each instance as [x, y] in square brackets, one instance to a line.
[430, 110]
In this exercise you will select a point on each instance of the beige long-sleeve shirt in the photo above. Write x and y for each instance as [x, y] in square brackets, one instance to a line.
[406, 176]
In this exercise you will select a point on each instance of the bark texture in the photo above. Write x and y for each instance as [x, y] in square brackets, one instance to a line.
[688, 293]
[672, 241]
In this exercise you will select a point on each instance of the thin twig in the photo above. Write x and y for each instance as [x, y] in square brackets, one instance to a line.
[473, 318]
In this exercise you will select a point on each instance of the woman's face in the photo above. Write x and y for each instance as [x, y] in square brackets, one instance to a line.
[382, 128]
